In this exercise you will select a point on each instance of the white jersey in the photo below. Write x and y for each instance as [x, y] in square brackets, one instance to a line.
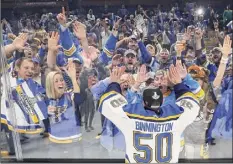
[150, 138]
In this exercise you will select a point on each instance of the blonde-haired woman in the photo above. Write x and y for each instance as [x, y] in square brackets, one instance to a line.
[55, 85]
[63, 121]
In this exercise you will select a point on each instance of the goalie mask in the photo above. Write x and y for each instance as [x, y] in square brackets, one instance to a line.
[153, 98]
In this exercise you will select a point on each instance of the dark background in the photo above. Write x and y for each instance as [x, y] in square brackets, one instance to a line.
[43, 6]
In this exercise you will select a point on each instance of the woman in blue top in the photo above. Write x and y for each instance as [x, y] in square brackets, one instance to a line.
[60, 102]
[63, 121]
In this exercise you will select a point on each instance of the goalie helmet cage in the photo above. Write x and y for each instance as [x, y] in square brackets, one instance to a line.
[5, 91]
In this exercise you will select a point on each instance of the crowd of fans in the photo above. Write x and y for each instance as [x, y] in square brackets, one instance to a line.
[66, 60]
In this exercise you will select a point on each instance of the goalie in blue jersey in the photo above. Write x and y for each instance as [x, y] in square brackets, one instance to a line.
[152, 132]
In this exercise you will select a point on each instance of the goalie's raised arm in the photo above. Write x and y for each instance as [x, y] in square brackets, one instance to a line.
[112, 102]
[185, 99]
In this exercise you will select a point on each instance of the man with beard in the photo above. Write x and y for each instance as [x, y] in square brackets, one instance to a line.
[161, 61]
[216, 55]
[130, 61]
[164, 59]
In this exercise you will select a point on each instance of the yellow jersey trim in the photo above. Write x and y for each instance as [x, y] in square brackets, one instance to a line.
[4, 153]
[70, 51]
[60, 141]
[63, 141]
[10, 127]
[182, 143]
[126, 160]
[200, 95]
[188, 94]
[4, 121]
[167, 93]
[108, 53]
[106, 95]
[29, 132]
[153, 118]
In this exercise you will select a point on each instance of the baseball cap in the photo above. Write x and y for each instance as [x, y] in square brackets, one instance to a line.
[164, 50]
[77, 60]
[216, 50]
[91, 72]
[133, 37]
[127, 52]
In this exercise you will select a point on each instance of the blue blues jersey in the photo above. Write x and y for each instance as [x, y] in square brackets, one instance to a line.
[70, 49]
[63, 120]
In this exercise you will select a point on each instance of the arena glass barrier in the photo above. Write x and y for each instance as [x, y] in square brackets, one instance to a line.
[30, 144]
[9, 138]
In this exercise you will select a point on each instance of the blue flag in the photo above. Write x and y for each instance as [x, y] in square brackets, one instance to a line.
[29, 105]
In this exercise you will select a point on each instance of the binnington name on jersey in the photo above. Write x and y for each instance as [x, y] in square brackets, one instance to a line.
[153, 127]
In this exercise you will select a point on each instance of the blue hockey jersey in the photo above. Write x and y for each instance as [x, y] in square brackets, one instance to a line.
[63, 121]
[69, 47]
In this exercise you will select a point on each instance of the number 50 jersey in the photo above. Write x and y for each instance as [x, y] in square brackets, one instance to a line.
[150, 138]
